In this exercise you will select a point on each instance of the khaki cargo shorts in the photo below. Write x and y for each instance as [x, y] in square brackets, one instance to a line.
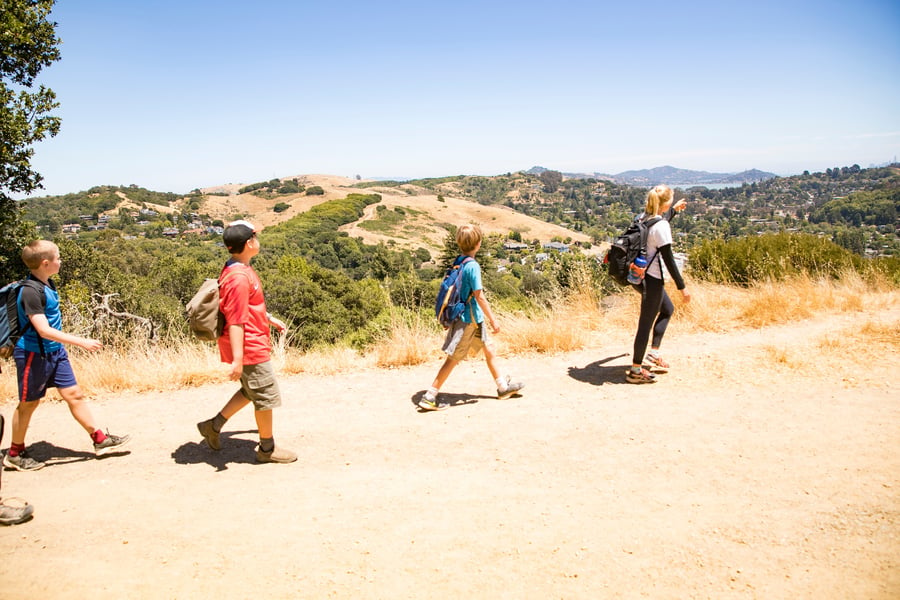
[463, 338]
[259, 386]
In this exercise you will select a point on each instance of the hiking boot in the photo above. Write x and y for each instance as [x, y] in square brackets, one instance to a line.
[511, 388]
[112, 443]
[13, 515]
[431, 404]
[22, 462]
[209, 434]
[642, 376]
[277, 455]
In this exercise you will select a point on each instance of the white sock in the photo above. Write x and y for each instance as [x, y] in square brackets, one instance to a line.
[501, 383]
[432, 393]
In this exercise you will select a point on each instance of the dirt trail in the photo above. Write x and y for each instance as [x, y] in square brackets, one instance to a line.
[730, 478]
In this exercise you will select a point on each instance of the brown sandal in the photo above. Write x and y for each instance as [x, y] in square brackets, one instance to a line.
[644, 376]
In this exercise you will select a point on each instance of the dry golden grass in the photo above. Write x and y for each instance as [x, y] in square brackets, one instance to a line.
[568, 323]
[564, 326]
[411, 341]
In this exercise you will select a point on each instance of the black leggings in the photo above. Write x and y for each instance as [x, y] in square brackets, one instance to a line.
[656, 310]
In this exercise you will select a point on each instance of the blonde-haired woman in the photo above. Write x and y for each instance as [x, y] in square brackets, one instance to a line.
[656, 306]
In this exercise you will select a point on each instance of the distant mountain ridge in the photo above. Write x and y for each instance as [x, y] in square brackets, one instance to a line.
[670, 176]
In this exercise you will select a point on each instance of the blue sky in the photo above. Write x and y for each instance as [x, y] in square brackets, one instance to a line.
[176, 95]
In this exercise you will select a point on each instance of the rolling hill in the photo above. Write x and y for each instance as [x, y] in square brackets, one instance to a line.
[425, 215]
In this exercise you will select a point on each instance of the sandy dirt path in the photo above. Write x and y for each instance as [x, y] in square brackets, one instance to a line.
[730, 478]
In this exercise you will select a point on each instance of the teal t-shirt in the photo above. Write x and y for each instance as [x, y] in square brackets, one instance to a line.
[32, 302]
[471, 282]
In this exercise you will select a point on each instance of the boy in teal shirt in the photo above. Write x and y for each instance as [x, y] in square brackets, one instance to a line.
[469, 332]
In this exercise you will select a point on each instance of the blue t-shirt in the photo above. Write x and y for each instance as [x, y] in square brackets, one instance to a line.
[471, 282]
[31, 303]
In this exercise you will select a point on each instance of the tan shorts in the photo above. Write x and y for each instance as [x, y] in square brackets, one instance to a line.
[463, 338]
[259, 386]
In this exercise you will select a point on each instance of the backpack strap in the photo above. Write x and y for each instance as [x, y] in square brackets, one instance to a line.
[648, 224]
[462, 264]
[37, 286]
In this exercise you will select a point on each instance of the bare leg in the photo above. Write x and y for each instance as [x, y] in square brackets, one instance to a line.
[444, 372]
[21, 420]
[264, 420]
[236, 403]
[79, 407]
[491, 359]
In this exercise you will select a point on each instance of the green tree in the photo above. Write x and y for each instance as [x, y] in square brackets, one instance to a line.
[551, 180]
[28, 43]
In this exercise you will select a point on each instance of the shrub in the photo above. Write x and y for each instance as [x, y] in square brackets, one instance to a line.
[771, 257]
[315, 190]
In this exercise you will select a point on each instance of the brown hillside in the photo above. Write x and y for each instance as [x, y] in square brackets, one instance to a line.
[424, 223]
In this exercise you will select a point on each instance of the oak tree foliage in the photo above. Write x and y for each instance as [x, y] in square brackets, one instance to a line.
[28, 43]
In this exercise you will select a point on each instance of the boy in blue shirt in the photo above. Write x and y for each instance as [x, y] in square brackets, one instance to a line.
[42, 361]
[469, 332]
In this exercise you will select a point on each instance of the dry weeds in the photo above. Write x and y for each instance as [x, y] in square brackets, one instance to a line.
[567, 324]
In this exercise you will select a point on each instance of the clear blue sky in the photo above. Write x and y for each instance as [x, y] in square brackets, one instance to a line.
[179, 94]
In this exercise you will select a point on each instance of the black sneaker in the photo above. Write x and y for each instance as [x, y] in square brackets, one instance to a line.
[112, 443]
[22, 462]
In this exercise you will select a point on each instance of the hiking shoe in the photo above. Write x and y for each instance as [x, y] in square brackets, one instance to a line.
[655, 363]
[14, 514]
[209, 434]
[277, 455]
[642, 376]
[112, 443]
[22, 462]
[432, 404]
[511, 388]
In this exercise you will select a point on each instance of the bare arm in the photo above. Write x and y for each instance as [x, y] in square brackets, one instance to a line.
[42, 327]
[481, 299]
[236, 336]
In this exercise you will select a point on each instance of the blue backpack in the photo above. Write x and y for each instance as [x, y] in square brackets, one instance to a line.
[448, 307]
[10, 330]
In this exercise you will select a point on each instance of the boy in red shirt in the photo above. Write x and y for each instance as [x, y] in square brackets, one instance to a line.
[245, 345]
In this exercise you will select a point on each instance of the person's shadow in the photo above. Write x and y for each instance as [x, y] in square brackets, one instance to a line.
[599, 372]
[454, 400]
[52, 455]
[234, 450]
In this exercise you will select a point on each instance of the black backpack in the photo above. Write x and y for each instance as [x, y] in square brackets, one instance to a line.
[627, 247]
[10, 331]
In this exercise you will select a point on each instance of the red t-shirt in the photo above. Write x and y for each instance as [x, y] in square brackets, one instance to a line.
[242, 302]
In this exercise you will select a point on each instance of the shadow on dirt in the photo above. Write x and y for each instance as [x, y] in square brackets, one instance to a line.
[234, 450]
[53, 455]
[454, 400]
[600, 372]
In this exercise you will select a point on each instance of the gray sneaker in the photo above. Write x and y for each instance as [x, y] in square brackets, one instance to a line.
[209, 434]
[14, 514]
[511, 388]
[22, 462]
[112, 443]
[427, 403]
[277, 455]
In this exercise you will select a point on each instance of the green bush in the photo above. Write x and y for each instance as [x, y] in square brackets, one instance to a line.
[771, 257]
